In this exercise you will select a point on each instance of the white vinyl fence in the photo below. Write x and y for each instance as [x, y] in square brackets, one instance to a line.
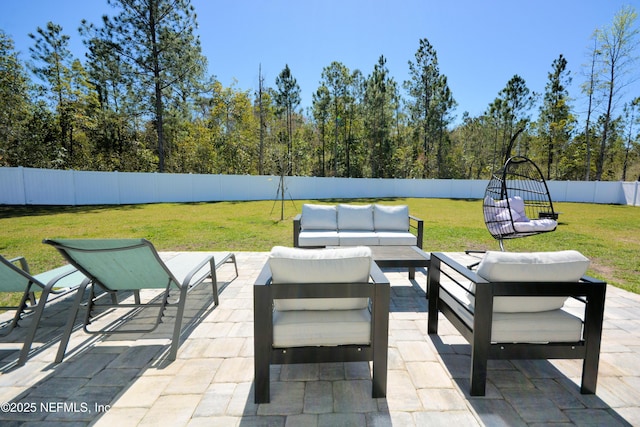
[28, 186]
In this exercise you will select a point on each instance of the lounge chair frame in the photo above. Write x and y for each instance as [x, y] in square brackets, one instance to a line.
[198, 274]
[265, 354]
[588, 290]
[59, 281]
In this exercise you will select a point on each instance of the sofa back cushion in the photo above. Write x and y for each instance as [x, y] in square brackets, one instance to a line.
[340, 265]
[391, 218]
[319, 217]
[355, 217]
[559, 266]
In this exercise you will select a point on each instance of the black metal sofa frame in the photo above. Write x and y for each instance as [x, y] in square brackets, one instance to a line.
[378, 290]
[589, 291]
[416, 226]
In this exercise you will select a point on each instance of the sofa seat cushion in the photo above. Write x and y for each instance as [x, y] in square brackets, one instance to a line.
[391, 218]
[319, 217]
[358, 237]
[321, 328]
[528, 327]
[318, 238]
[559, 266]
[339, 265]
[355, 217]
[396, 238]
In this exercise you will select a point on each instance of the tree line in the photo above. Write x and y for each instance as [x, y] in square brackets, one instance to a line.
[141, 100]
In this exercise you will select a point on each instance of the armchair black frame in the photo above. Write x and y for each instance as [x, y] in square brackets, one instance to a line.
[588, 290]
[377, 289]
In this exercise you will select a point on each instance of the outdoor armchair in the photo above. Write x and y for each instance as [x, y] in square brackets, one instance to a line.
[131, 265]
[318, 306]
[513, 307]
[15, 277]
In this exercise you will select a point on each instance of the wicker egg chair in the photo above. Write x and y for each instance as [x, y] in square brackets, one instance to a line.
[517, 202]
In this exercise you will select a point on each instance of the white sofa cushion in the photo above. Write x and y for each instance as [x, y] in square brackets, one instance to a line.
[559, 266]
[391, 218]
[340, 265]
[396, 238]
[318, 217]
[318, 238]
[358, 238]
[324, 328]
[354, 217]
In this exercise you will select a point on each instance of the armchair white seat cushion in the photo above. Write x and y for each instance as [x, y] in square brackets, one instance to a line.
[339, 265]
[558, 266]
[302, 328]
[550, 326]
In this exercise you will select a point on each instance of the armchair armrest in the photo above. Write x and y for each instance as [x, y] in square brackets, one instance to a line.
[418, 225]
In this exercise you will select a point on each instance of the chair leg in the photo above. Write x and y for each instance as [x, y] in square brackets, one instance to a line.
[214, 282]
[33, 328]
[380, 340]
[594, 317]
[71, 320]
[262, 334]
[177, 329]
[478, 370]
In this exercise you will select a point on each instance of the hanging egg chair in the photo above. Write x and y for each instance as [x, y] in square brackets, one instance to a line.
[517, 202]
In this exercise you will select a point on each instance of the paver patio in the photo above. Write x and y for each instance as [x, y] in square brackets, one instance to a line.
[126, 380]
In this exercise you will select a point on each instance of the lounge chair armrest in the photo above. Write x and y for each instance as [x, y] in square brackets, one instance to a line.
[194, 270]
[22, 261]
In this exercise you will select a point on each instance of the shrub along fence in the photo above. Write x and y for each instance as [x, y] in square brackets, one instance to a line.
[29, 186]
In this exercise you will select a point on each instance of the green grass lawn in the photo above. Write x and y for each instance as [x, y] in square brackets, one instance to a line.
[607, 234]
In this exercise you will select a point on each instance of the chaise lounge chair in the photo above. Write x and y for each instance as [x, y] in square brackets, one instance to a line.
[58, 281]
[121, 265]
[319, 306]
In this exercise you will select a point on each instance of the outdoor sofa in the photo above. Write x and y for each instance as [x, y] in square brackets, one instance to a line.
[354, 225]
[513, 307]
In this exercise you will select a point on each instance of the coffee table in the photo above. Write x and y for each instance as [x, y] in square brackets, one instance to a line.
[401, 256]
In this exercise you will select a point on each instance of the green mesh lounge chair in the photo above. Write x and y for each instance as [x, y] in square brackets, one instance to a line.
[131, 265]
[14, 278]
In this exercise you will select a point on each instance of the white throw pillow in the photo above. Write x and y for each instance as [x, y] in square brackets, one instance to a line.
[339, 265]
[559, 266]
[391, 218]
[517, 204]
[318, 217]
[504, 215]
[354, 217]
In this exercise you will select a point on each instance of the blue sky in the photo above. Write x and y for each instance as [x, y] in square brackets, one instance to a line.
[480, 44]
